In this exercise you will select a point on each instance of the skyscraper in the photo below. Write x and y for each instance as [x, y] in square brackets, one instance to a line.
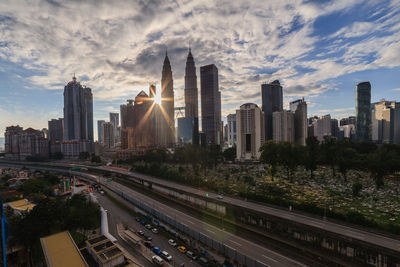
[210, 104]
[299, 107]
[108, 134]
[167, 137]
[283, 126]
[232, 137]
[272, 100]
[78, 119]
[363, 111]
[384, 121]
[114, 119]
[56, 130]
[100, 137]
[250, 131]
[78, 112]
[191, 97]
[322, 127]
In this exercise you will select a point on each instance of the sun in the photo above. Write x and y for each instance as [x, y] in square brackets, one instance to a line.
[157, 99]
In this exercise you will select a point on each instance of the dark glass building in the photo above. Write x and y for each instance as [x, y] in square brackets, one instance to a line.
[167, 135]
[363, 111]
[191, 98]
[272, 100]
[210, 104]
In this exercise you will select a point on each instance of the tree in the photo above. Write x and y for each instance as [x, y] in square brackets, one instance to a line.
[346, 157]
[382, 162]
[34, 185]
[288, 156]
[270, 155]
[329, 151]
[84, 155]
[230, 154]
[311, 154]
[58, 156]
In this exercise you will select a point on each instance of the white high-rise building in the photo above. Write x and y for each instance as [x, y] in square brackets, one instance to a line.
[231, 131]
[299, 107]
[250, 131]
[283, 126]
[322, 127]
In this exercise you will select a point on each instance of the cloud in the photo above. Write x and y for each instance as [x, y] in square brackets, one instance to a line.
[117, 48]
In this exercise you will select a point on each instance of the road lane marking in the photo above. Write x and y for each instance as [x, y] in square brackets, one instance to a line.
[235, 242]
[265, 256]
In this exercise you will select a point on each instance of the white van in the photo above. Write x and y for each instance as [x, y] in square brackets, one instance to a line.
[157, 260]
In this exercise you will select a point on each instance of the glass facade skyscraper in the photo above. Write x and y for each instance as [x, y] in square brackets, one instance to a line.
[363, 111]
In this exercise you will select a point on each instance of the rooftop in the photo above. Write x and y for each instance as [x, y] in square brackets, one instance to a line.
[60, 250]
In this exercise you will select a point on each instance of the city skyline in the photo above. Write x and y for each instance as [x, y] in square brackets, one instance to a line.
[311, 56]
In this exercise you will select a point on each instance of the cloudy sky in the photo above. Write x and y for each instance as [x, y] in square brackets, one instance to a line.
[319, 50]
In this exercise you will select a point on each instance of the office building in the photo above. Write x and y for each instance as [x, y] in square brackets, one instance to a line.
[114, 119]
[299, 107]
[250, 132]
[185, 130]
[191, 97]
[334, 128]
[56, 130]
[108, 135]
[100, 137]
[283, 126]
[272, 100]
[167, 119]
[384, 121]
[231, 132]
[210, 104]
[363, 111]
[347, 131]
[347, 121]
[78, 119]
[322, 127]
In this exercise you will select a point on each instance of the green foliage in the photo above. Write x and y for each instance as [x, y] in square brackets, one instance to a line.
[36, 158]
[356, 188]
[52, 215]
[36, 185]
[58, 156]
[229, 154]
[84, 155]
[95, 159]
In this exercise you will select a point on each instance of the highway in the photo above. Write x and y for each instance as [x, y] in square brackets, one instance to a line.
[246, 247]
[368, 237]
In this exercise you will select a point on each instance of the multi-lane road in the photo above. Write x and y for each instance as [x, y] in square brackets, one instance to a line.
[246, 247]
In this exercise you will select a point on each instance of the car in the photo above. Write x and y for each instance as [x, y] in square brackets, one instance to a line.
[166, 255]
[157, 260]
[137, 219]
[203, 261]
[154, 230]
[182, 249]
[220, 197]
[191, 255]
[140, 233]
[157, 250]
[148, 244]
[143, 223]
[148, 238]
[102, 192]
[172, 242]
[148, 226]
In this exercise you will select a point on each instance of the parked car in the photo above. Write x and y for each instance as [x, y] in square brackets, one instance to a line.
[143, 223]
[203, 261]
[166, 255]
[157, 260]
[148, 226]
[148, 244]
[154, 230]
[148, 238]
[191, 255]
[140, 233]
[137, 219]
[157, 250]
[220, 197]
[182, 249]
[172, 242]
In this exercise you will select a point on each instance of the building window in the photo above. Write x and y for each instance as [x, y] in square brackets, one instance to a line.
[248, 142]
